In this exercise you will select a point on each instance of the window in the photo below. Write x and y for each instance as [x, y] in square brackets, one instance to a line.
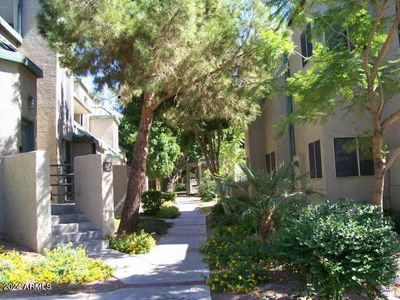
[314, 157]
[306, 45]
[338, 40]
[271, 164]
[352, 158]
[27, 136]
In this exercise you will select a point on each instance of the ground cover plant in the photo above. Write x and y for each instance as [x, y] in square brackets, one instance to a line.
[237, 258]
[62, 265]
[133, 243]
[335, 247]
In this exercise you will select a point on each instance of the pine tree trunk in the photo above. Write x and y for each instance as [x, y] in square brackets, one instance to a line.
[137, 175]
[379, 177]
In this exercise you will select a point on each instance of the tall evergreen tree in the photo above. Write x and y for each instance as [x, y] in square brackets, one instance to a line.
[164, 50]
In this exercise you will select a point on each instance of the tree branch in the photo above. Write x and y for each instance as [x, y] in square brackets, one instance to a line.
[392, 119]
[385, 48]
[378, 19]
[392, 159]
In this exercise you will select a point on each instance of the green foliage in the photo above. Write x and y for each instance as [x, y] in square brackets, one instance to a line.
[238, 261]
[338, 246]
[169, 196]
[134, 243]
[180, 187]
[164, 147]
[272, 196]
[168, 211]
[151, 202]
[394, 215]
[208, 188]
[164, 150]
[62, 265]
[186, 48]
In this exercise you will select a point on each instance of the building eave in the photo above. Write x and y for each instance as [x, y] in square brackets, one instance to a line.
[23, 60]
[106, 117]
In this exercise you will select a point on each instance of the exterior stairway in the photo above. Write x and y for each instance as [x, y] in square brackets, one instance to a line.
[69, 225]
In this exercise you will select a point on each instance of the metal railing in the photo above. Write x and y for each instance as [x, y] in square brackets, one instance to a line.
[62, 183]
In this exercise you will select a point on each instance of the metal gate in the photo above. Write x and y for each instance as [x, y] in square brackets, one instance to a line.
[62, 183]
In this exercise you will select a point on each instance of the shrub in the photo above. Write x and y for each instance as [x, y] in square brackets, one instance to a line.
[151, 202]
[62, 265]
[134, 243]
[238, 261]
[338, 246]
[168, 211]
[180, 187]
[208, 189]
[169, 196]
[271, 199]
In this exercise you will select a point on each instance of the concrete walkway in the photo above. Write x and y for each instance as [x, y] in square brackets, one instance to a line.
[172, 270]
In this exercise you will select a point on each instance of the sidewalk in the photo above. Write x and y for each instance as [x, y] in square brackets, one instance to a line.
[172, 270]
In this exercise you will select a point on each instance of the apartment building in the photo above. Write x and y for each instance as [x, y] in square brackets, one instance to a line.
[318, 150]
[45, 107]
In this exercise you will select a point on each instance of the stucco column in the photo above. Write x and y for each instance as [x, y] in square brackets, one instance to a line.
[94, 194]
[27, 206]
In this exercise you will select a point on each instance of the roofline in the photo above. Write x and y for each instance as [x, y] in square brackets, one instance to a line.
[106, 117]
[77, 79]
[23, 60]
[11, 31]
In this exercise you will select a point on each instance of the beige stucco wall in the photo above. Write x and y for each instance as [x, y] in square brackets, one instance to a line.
[255, 144]
[120, 183]
[79, 149]
[105, 129]
[26, 190]
[10, 112]
[94, 192]
[16, 84]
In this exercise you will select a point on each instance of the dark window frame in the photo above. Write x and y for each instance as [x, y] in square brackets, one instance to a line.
[363, 167]
[315, 159]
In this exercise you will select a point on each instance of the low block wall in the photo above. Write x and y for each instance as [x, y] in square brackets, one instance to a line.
[120, 182]
[94, 192]
[26, 196]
